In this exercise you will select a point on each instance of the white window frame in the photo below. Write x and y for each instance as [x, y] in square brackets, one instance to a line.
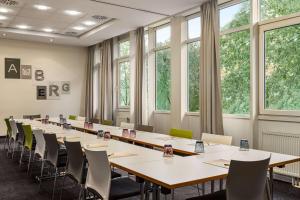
[119, 61]
[154, 50]
[279, 23]
[186, 43]
[236, 30]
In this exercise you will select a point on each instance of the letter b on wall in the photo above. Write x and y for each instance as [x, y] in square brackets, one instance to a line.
[12, 68]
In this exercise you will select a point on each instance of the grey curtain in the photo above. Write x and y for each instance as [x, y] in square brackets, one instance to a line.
[89, 84]
[139, 67]
[211, 120]
[106, 80]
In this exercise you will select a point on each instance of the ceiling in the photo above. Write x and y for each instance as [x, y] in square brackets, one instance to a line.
[82, 22]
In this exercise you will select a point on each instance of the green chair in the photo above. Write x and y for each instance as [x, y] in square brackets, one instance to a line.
[72, 117]
[107, 122]
[181, 133]
[28, 143]
[8, 133]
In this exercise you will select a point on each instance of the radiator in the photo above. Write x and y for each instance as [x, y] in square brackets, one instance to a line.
[285, 143]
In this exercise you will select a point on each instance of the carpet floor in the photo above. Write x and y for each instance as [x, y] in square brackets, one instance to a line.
[15, 184]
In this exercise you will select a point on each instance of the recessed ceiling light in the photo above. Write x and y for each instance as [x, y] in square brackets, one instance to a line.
[72, 12]
[89, 23]
[42, 7]
[3, 17]
[78, 28]
[48, 30]
[3, 34]
[22, 26]
[4, 10]
[51, 40]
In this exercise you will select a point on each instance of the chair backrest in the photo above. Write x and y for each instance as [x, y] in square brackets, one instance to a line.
[79, 118]
[181, 133]
[52, 148]
[75, 165]
[21, 136]
[40, 147]
[14, 129]
[28, 140]
[72, 117]
[127, 125]
[145, 128]
[218, 139]
[8, 127]
[247, 180]
[32, 116]
[107, 122]
[99, 173]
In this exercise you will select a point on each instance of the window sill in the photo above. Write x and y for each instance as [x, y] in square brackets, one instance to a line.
[161, 112]
[192, 114]
[279, 118]
[123, 109]
[237, 116]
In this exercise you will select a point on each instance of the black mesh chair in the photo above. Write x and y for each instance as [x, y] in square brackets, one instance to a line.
[55, 156]
[247, 180]
[76, 164]
[99, 182]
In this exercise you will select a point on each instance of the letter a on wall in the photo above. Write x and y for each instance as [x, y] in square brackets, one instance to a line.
[12, 68]
[54, 90]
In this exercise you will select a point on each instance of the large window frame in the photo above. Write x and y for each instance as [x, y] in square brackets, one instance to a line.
[121, 60]
[155, 50]
[236, 30]
[186, 43]
[264, 26]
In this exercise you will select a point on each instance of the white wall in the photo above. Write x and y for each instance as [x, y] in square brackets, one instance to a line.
[60, 63]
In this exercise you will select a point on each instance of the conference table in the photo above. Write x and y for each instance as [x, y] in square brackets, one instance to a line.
[150, 164]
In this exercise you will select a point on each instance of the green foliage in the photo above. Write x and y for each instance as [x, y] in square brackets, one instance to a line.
[163, 79]
[241, 18]
[235, 72]
[282, 68]
[124, 95]
[276, 8]
[124, 48]
[235, 64]
[193, 76]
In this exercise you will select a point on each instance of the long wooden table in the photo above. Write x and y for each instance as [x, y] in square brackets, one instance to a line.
[150, 164]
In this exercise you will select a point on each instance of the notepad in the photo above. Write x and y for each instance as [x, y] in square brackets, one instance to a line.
[96, 145]
[166, 138]
[122, 154]
[219, 163]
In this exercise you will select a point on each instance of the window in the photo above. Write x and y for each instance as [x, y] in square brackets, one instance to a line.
[235, 16]
[124, 93]
[124, 74]
[193, 51]
[275, 8]
[281, 62]
[163, 69]
[124, 48]
[235, 58]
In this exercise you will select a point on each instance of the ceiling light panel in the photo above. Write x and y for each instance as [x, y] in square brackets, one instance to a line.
[42, 7]
[23, 26]
[2, 17]
[4, 10]
[89, 23]
[48, 30]
[79, 28]
[72, 12]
